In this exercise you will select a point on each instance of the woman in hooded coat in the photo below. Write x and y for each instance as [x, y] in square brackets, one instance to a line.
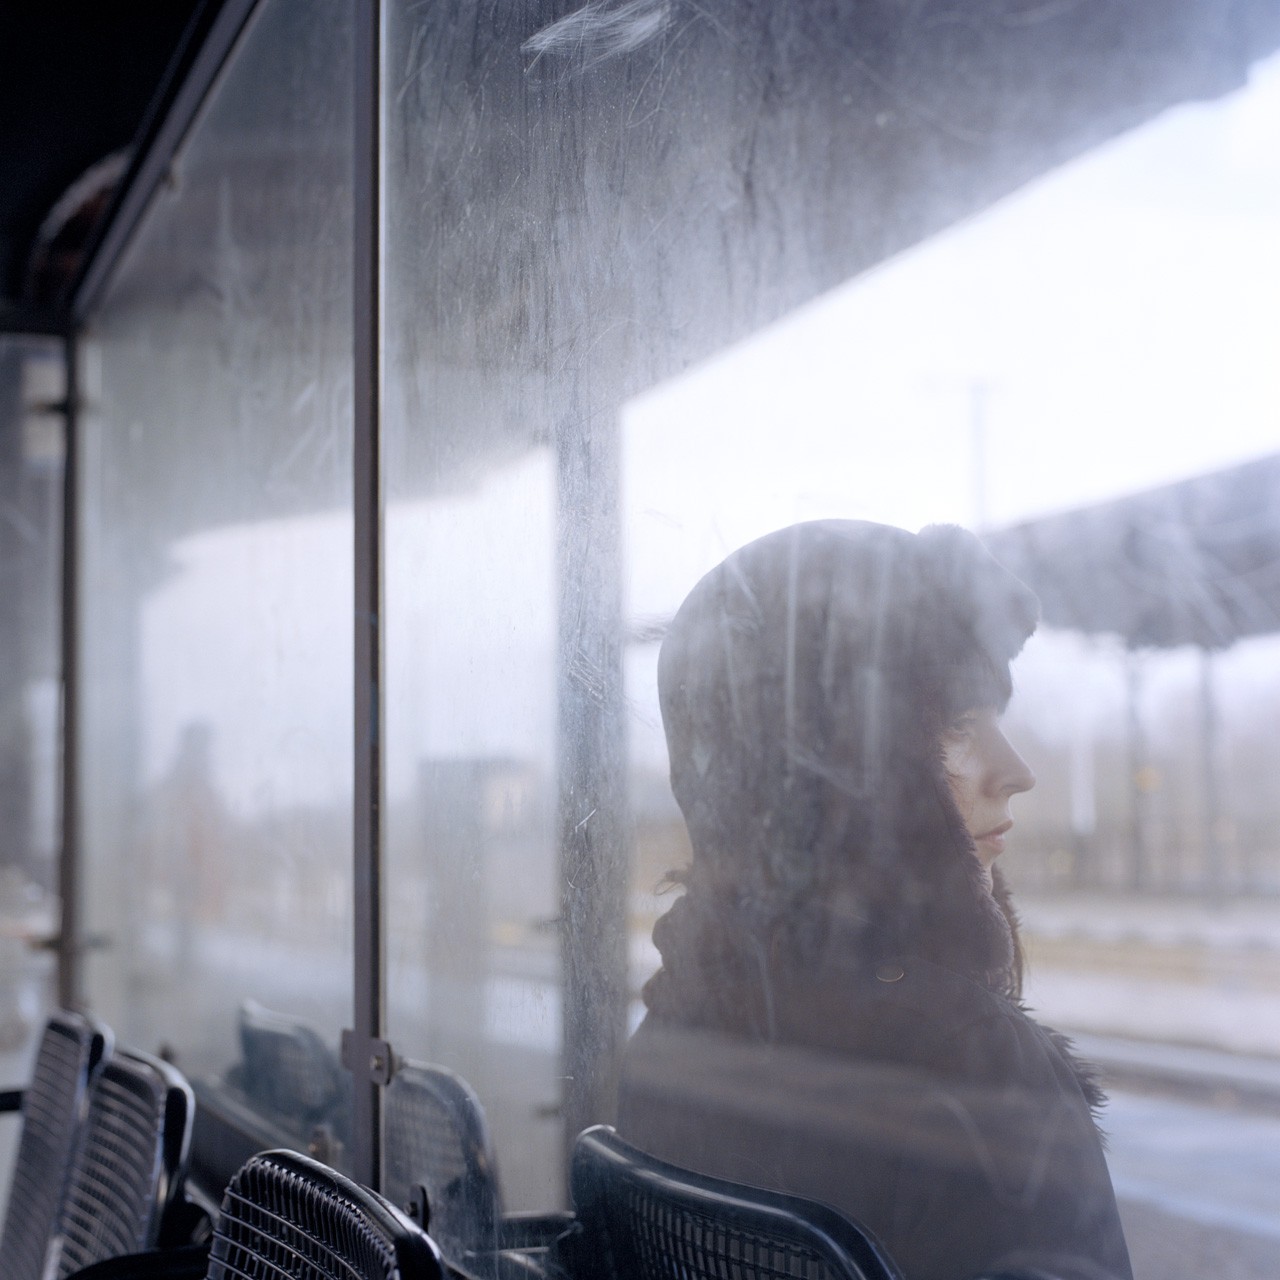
[838, 1011]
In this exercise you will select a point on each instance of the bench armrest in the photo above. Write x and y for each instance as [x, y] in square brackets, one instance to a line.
[532, 1230]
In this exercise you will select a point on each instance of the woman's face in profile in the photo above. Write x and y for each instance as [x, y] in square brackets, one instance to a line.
[984, 772]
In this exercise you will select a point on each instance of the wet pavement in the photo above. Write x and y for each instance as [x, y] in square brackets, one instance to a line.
[1178, 1003]
[1199, 1188]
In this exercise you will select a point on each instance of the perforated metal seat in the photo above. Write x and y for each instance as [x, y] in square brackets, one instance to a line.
[436, 1137]
[287, 1216]
[129, 1164]
[290, 1073]
[71, 1051]
[642, 1219]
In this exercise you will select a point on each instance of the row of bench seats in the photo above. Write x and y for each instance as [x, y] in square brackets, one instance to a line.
[102, 1159]
[439, 1160]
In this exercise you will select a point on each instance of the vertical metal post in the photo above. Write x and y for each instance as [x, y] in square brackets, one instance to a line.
[370, 982]
[1212, 803]
[18, 616]
[1139, 777]
[69, 927]
[591, 765]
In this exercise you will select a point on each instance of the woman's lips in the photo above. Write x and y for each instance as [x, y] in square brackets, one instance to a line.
[994, 839]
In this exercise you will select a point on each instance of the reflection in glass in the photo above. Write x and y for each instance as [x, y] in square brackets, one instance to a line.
[661, 284]
[837, 1013]
[473, 976]
[1092, 339]
[217, 584]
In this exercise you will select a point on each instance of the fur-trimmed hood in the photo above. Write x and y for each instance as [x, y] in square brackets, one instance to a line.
[837, 1011]
[805, 683]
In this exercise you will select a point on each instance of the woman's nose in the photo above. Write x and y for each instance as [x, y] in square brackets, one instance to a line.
[1009, 771]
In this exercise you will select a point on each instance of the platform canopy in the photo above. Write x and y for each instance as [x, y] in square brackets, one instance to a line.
[1193, 563]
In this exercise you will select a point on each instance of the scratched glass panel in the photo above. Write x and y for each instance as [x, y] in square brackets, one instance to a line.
[1083, 373]
[217, 593]
[664, 278]
[474, 978]
[1039, 375]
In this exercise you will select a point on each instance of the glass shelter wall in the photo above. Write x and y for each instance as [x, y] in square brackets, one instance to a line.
[216, 536]
[1036, 359]
[657, 288]
[660, 279]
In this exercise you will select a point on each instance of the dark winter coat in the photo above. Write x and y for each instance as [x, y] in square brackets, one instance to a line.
[836, 1014]
[931, 1110]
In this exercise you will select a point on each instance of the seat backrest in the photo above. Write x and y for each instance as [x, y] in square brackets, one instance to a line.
[289, 1071]
[71, 1051]
[288, 1215]
[436, 1137]
[129, 1164]
[643, 1219]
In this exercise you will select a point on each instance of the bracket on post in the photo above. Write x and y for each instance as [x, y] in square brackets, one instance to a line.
[375, 1059]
